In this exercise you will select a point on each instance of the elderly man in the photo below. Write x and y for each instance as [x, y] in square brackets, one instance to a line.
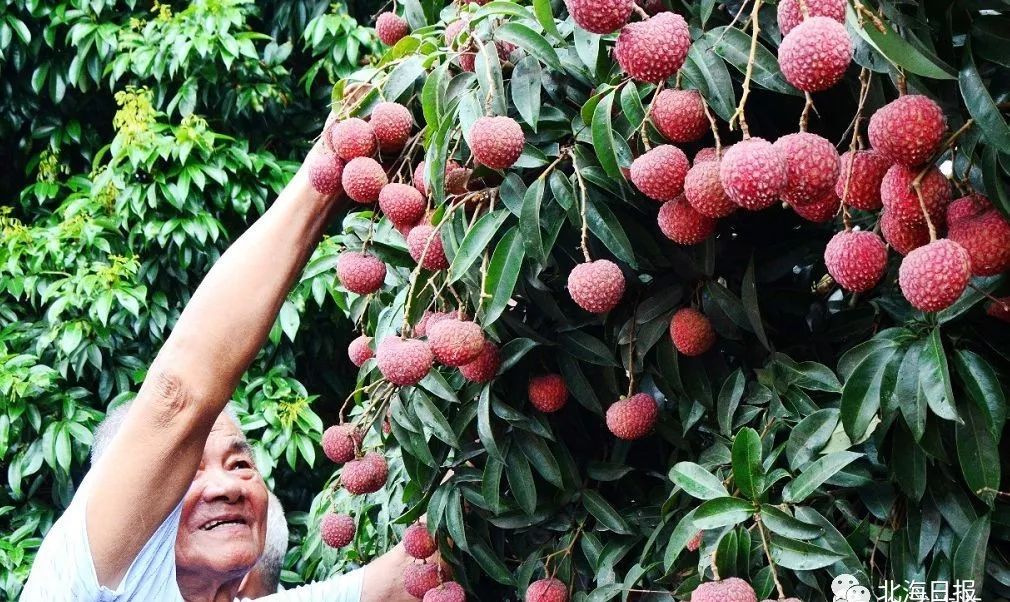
[175, 510]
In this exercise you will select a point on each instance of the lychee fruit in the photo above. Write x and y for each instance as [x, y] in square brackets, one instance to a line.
[682, 224]
[820, 211]
[654, 49]
[548, 392]
[596, 286]
[363, 179]
[691, 332]
[497, 142]
[547, 590]
[325, 170]
[900, 199]
[600, 16]
[360, 350]
[706, 154]
[352, 138]
[485, 367]
[694, 543]
[815, 54]
[908, 130]
[753, 173]
[999, 309]
[453, 29]
[966, 208]
[903, 238]
[632, 418]
[659, 173]
[361, 273]
[856, 259]
[457, 180]
[732, 589]
[391, 28]
[401, 203]
[391, 123]
[455, 342]
[704, 191]
[341, 442]
[420, 177]
[867, 171]
[418, 579]
[450, 591]
[811, 167]
[933, 276]
[403, 361]
[425, 245]
[790, 13]
[430, 318]
[418, 543]
[366, 475]
[986, 238]
[337, 530]
[680, 115]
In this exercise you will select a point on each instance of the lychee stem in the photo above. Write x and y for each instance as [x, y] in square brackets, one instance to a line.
[805, 115]
[738, 115]
[988, 296]
[768, 554]
[631, 350]
[862, 12]
[582, 209]
[640, 11]
[715, 130]
[343, 408]
[648, 117]
[405, 326]
[805, 12]
[864, 91]
[916, 183]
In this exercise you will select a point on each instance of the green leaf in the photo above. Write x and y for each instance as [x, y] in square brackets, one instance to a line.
[604, 512]
[603, 136]
[779, 522]
[970, 556]
[729, 400]
[733, 45]
[490, 563]
[454, 523]
[520, 479]
[909, 396]
[540, 457]
[908, 463]
[697, 482]
[432, 417]
[726, 554]
[978, 453]
[748, 473]
[748, 295]
[545, 16]
[707, 73]
[530, 41]
[484, 430]
[800, 555]
[861, 393]
[487, 66]
[605, 225]
[631, 104]
[810, 435]
[525, 85]
[722, 512]
[934, 378]
[587, 348]
[816, 474]
[899, 51]
[502, 274]
[980, 381]
[529, 219]
[475, 242]
[980, 104]
[682, 533]
[403, 77]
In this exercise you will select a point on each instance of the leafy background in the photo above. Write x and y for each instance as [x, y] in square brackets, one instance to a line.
[831, 433]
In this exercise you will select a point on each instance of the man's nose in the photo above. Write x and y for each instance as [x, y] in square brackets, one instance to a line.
[222, 486]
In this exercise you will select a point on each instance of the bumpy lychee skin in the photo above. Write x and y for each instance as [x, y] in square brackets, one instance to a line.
[659, 173]
[391, 123]
[485, 367]
[325, 170]
[401, 203]
[547, 590]
[856, 260]
[418, 543]
[337, 530]
[600, 16]
[360, 350]
[403, 361]
[811, 167]
[986, 238]
[903, 238]
[548, 392]
[450, 591]
[430, 254]
[361, 273]
[706, 154]
[899, 198]
[457, 180]
[363, 179]
[455, 342]
[366, 475]
[420, 176]
[497, 142]
[418, 579]
[691, 332]
[859, 179]
[966, 208]
[352, 138]
[391, 28]
[596, 286]
[430, 318]
[933, 276]
[820, 211]
[694, 543]
[815, 54]
[341, 443]
[732, 589]
[908, 130]
[790, 13]
[632, 418]
[753, 173]
[654, 49]
[682, 224]
[680, 115]
[704, 190]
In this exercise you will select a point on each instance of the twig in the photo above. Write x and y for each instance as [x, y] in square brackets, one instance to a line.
[642, 130]
[715, 130]
[805, 115]
[738, 115]
[864, 91]
[631, 350]
[640, 11]
[768, 554]
[582, 211]
[917, 182]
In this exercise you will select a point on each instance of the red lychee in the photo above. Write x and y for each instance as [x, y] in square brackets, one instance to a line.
[966, 208]
[418, 579]
[704, 190]
[366, 475]
[732, 589]
[867, 171]
[790, 13]
[401, 203]
[933, 276]
[425, 245]
[450, 591]
[694, 543]
[908, 130]
[680, 115]
[497, 142]
[455, 342]
[856, 259]
[654, 49]
[403, 361]
[485, 367]
[691, 332]
[457, 180]
[547, 590]
[418, 543]
[596, 286]
[325, 170]
[337, 530]
[548, 392]
[815, 54]
[811, 167]
[901, 200]
[360, 350]
[753, 173]
[429, 319]
[903, 238]
[659, 173]
[341, 442]
[453, 29]
[420, 176]
[600, 16]
[986, 238]
[632, 418]
[352, 138]
[391, 28]
[706, 154]
[391, 123]
[363, 179]
[682, 224]
[360, 273]
[820, 211]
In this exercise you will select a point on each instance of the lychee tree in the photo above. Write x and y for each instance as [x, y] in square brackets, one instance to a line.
[657, 300]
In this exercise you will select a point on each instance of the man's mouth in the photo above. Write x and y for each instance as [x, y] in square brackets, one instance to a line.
[218, 522]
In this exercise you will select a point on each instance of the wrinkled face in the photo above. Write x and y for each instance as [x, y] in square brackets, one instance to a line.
[223, 522]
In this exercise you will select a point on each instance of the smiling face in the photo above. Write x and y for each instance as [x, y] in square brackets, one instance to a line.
[223, 524]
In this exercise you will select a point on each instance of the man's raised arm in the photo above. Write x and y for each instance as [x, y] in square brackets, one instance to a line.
[150, 464]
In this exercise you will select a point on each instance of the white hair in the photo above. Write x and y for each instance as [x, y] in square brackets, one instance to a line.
[276, 544]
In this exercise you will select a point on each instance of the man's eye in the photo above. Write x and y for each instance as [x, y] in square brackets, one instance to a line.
[241, 465]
